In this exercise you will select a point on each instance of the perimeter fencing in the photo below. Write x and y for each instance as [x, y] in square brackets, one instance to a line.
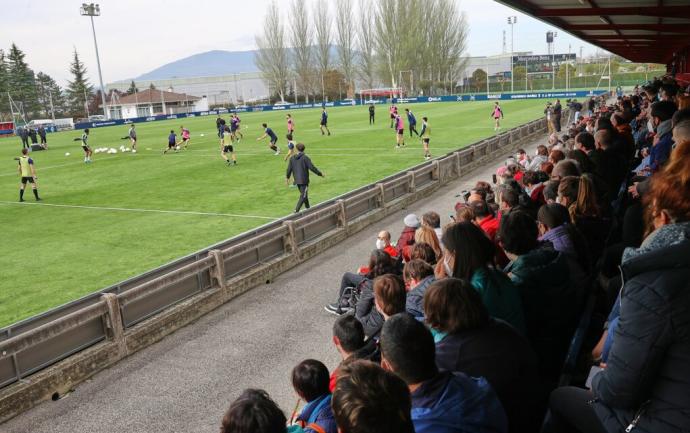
[46, 355]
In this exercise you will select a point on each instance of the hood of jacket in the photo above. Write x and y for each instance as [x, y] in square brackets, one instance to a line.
[671, 234]
[540, 260]
[667, 247]
[299, 155]
[664, 128]
[560, 239]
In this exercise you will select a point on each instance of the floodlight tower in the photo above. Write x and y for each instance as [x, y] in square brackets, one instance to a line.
[550, 36]
[93, 10]
[512, 20]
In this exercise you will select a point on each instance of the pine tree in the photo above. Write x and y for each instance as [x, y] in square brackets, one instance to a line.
[4, 101]
[48, 90]
[21, 81]
[78, 89]
[152, 87]
[132, 88]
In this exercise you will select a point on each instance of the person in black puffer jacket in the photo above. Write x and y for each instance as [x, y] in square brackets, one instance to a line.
[645, 386]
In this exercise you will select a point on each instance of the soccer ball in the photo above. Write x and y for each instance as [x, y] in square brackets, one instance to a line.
[134, 151]
[201, 135]
[67, 154]
[177, 147]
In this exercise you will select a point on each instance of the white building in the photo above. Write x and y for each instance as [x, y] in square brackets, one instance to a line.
[155, 102]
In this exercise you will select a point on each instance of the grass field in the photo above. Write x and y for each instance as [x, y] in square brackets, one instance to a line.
[127, 213]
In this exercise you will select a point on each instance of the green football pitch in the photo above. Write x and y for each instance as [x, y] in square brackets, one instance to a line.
[127, 213]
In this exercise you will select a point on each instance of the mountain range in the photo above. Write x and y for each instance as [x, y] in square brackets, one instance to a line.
[208, 64]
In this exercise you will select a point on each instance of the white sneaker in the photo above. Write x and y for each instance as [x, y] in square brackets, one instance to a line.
[277, 152]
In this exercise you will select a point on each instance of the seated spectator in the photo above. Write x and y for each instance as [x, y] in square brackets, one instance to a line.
[389, 295]
[510, 198]
[428, 236]
[555, 227]
[310, 381]
[546, 167]
[464, 213]
[583, 162]
[441, 402]
[625, 132]
[470, 341]
[578, 196]
[348, 338]
[379, 263]
[644, 385]
[368, 399]
[484, 218]
[609, 166]
[542, 155]
[423, 251]
[407, 236]
[566, 167]
[471, 257]
[253, 412]
[551, 191]
[433, 220]
[366, 311]
[661, 117]
[522, 158]
[550, 299]
[418, 275]
[383, 242]
[556, 156]
[534, 187]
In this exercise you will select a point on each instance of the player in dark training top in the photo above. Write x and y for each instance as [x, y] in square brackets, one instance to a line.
[172, 142]
[324, 121]
[412, 122]
[273, 138]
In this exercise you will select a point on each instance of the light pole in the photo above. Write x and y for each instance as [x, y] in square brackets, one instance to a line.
[93, 10]
[512, 21]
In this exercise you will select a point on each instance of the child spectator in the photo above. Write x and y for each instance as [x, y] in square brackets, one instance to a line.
[418, 275]
[310, 382]
[253, 412]
[366, 311]
[423, 251]
[389, 295]
[348, 338]
[428, 236]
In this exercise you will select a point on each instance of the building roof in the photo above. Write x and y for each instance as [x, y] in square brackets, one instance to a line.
[156, 96]
[638, 30]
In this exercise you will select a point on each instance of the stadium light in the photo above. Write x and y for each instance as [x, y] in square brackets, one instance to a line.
[512, 20]
[94, 10]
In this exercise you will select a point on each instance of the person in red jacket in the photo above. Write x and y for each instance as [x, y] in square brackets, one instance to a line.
[407, 236]
[485, 218]
[383, 242]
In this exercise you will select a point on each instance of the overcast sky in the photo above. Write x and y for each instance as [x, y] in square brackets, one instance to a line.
[136, 36]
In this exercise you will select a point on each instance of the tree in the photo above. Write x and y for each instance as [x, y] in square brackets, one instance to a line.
[345, 36]
[79, 90]
[519, 74]
[4, 101]
[366, 44]
[152, 86]
[451, 28]
[301, 40]
[388, 40]
[334, 83]
[322, 24]
[271, 57]
[50, 96]
[133, 88]
[479, 80]
[21, 80]
[561, 74]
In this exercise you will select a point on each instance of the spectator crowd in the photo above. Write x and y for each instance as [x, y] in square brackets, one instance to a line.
[557, 300]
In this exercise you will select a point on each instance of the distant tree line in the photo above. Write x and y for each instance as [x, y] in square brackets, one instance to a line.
[315, 52]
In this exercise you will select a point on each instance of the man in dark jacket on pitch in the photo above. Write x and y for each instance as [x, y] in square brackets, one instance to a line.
[299, 167]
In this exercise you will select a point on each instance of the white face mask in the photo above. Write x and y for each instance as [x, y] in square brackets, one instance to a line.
[380, 244]
[446, 266]
[589, 129]
[650, 125]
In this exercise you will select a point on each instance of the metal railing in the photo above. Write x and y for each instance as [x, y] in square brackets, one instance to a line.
[113, 317]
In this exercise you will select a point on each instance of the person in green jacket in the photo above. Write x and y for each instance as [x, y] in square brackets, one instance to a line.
[470, 255]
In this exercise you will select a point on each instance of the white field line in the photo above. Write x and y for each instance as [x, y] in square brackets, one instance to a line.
[123, 209]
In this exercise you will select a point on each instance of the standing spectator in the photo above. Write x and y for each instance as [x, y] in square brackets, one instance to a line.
[470, 341]
[548, 112]
[24, 135]
[42, 134]
[418, 276]
[412, 122]
[310, 381]
[253, 412]
[441, 402]
[550, 300]
[299, 167]
[407, 235]
[369, 399]
[557, 112]
[590, 106]
[471, 257]
[32, 135]
[372, 113]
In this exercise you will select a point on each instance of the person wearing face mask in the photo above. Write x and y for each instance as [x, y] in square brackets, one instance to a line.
[660, 122]
[383, 242]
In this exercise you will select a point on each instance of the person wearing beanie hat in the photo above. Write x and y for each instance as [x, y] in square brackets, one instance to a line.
[406, 238]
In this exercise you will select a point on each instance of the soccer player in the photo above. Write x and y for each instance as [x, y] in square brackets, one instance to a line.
[237, 120]
[324, 121]
[273, 138]
[372, 112]
[290, 124]
[220, 127]
[497, 114]
[185, 136]
[412, 121]
[228, 138]
[27, 171]
[85, 146]
[133, 137]
[291, 147]
[399, 130]
[394, 112]
[172, 142]
[426, 136]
